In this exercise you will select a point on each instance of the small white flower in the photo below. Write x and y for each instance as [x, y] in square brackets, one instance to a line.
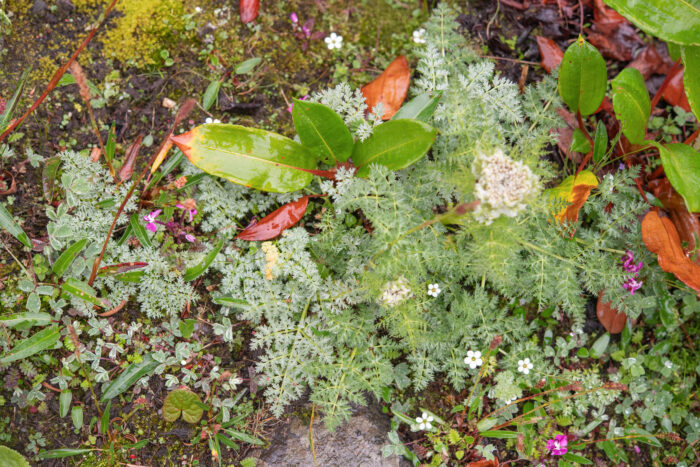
[424, 421]
[197, 10]
[419, 36]
[183, 362]
[434, 289]
[524, 366]
[212, 120]
[334, 41]
[473, 359]
[668, 364]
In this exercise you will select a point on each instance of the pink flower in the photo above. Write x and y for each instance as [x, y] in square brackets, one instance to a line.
[636, 449]
[151, 220]
[632, 285]
[289, 109]
[628, 263]
[294, 18]
[190, 238]
[557, 446]
[192, 212]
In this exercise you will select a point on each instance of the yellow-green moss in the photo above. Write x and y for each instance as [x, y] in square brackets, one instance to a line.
[142, 29]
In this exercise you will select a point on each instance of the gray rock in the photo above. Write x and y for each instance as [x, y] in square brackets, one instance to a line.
[357, 443]
[39, 7]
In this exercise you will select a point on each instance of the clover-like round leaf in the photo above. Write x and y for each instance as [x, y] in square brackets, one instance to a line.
[185, 402]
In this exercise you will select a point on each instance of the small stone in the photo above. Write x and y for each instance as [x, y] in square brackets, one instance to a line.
[168, 103]
[39, 7]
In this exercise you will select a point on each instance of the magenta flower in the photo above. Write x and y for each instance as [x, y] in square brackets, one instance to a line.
[294, 18]
[557, 446]
[289, 109]
[631, 284]
[151, 220]
[190, 238]
[192, 212]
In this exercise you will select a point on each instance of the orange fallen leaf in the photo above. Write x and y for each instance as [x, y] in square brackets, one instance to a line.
[687, 223]
[550, 52]
[574, 190]
[612, 320]
[661, 238]
[389, 88]
[674, 93]
[484, 463]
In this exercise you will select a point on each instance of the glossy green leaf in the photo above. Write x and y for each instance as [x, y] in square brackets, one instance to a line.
[644, 437]
[111, 143]
[211, 95]
[579, 142]
[583, 77]
[67, 257]
[11, 458]
[64, 401]
[499, 434]
[230, 302]
[130, 276]
[139, 230]
[600, 345]
[196, 271]
[691, 77]
[42, 340]
[600, 142]
[76, 415]
[395, 144]
[128, 377]
[245, 437]
[26, 319]
[420, 108]
[185, 402]
[631, 104]
[322, 132]
[674, 50]
[61, 453]
[255, 158]
[247, 66]
[671, 20]
[682, 165]
[9, 224]
[576, 458]
[82, 290]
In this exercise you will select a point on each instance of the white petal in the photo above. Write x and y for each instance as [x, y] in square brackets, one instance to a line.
[526, 370]
[470, 353]
[422, 426]
[428, 426]
[425, 415]
[477, 354]
[479, 362]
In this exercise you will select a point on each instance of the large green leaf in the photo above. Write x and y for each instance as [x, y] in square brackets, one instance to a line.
[67, 257]
[9, 224]
[322, 131]
[185, 402]
[11, 458]
[682, 166]
[671, 20]
[61, 453]
[26, 319]
[691, 77]
[631, 104]
[255, 158]
[196, 271]
[420, 108]
[128, 377]
[583, 77]
[42, 340]
[395, 144]
[82, 290]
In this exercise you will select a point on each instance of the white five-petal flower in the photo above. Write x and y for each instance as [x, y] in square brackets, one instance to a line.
[524, 366]
[334, 41]
[434, 290]
[424, 421]
[473, 359]
[419, 36]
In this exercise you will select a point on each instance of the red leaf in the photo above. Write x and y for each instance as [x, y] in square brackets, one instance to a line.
[612, 320]
[484, 463]
[276, 222]
[674, 93]
[248, 10]
[550, 52]
[661, 237]
[687, 223]
[389, 88]
[122, 267]
[606, 19]
[650, 62]
[130, 159]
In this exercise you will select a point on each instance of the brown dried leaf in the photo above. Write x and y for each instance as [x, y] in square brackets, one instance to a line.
[650, 62]
[389, 88]
[687, 223]
[550, 52]
[612, 320]
[484, 463]
[674, 93]
[661, 237]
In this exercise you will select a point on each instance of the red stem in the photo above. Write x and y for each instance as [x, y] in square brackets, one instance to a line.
[590, 141]
[665, 84]
[57, 76]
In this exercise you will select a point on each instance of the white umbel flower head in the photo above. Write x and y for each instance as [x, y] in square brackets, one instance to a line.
[395, 292]
[434, 290]
[419, 36]
[334, 41]
[424, 421]
[504, 186]
[524, 366]
[473, 359]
